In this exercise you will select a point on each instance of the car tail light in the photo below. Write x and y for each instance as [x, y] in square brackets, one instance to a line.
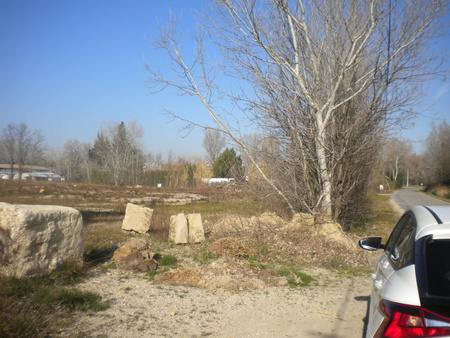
[411, 321]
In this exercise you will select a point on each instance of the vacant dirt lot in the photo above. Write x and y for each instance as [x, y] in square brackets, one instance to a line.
[205, 294]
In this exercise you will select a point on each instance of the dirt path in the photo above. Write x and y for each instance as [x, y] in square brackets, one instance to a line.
[334, 307]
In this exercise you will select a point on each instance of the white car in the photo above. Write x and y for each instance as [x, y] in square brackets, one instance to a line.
[411, 282]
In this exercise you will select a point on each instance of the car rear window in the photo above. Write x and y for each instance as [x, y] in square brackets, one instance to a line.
[437, 267]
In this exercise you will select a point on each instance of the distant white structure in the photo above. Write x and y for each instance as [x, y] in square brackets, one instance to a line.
[221, 181]
[30, 173]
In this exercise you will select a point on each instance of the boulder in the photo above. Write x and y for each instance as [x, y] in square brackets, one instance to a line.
[137, 218]
[135, 255]
[37, 239]
[196, 232]
[178, 231]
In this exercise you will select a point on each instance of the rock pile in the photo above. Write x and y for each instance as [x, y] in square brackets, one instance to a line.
[135, 255]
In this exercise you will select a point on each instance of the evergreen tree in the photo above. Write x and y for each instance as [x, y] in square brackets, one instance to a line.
[228, 165]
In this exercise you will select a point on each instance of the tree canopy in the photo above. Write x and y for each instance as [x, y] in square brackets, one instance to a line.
[323, 80]
[228, 165]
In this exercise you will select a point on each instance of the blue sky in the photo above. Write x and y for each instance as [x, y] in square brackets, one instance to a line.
[68, 66]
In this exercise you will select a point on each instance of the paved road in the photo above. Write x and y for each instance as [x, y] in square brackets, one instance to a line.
[408, 197]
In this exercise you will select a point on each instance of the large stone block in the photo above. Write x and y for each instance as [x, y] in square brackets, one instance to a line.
[178, 231]
[37, 239]
[196, 232]
[184, 229]
[137, 218]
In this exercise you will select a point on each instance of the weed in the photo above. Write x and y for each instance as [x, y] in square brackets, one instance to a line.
[152, 273]
[203, 256]
[295, 278]
[283, 272]
[34, 306]
[105, 267]
[168, 260]
[80, 301]
[70, 273]
[336, 264]
[258, 265]
[300, 279]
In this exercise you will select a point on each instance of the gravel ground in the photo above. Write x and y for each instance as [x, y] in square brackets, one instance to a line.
[334, 307]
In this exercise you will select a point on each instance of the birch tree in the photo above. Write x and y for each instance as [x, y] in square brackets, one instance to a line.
[323, 78]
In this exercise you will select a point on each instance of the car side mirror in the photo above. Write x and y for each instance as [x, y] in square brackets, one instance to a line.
[371, 243]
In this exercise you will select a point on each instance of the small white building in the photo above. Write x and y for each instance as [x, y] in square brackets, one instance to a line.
[213, 181]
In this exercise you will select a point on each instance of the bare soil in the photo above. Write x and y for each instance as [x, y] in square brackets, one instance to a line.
[334, 306]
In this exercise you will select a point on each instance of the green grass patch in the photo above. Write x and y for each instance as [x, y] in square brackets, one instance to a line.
[105, 267]
[152, 273]
[258, 265]
[203, 256]
[295, 278]
[168, 260]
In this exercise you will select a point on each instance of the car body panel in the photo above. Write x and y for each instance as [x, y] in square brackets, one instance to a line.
[397, 286]
[401, 287]
[442, 231]
[395, 278]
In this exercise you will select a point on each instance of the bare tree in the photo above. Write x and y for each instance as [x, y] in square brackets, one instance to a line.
[324, 78]
[396, 152]
[76, 161]
[213, 142]
[21, 146]
[437, 155]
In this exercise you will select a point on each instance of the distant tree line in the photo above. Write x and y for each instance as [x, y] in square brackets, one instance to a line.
[20, 147]
[117, 157]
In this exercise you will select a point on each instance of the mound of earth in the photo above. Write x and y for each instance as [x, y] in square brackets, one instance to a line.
[233, 226]
[228, 247]
[223, 274]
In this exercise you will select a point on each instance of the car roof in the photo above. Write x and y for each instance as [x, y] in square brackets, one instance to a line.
[432, 220]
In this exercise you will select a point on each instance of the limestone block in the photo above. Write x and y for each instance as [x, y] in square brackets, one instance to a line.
[196, 232]
[137, 218]
[37, 239]
[178, 231]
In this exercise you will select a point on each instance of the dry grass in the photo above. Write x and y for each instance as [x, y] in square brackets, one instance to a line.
[37, 307]
[439, 191]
